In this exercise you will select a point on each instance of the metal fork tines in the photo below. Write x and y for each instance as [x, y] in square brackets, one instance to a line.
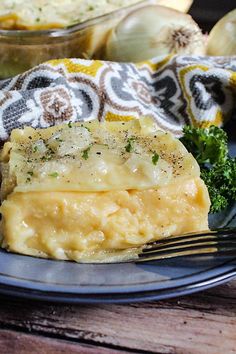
[217, 242]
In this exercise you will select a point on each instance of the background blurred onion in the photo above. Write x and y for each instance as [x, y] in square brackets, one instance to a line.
[222, 38]
[151, 31]
[96, 36]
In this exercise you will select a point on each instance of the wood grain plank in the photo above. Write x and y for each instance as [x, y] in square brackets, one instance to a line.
[201, 323]
[12, 342]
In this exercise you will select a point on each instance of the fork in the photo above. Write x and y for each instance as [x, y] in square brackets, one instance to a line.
[211, 242]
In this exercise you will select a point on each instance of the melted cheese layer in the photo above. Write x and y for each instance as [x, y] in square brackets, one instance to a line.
[104, 226]
[94, 156]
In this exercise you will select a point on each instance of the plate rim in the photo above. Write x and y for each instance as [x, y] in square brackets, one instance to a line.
[68, 298]
[215, 271]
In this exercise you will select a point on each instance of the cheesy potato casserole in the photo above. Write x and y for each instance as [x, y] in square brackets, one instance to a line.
[97, 191]
[45, 14]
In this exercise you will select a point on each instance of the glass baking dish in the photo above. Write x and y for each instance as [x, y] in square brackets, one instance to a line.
[21, 50]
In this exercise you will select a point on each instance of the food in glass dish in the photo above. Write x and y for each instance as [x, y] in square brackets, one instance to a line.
[97, 192]
[45, 14]
[22, 49]
[27, 40]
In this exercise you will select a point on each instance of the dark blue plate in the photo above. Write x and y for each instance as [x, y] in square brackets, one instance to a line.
[79, 283]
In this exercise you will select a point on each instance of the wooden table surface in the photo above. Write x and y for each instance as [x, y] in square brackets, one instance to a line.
[201, 323]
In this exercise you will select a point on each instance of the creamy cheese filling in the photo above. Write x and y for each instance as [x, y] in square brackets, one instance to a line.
[105, 226]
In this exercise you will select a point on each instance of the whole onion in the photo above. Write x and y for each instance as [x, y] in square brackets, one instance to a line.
[151, 31]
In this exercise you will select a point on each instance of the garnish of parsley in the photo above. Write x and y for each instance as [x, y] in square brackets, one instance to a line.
[218, 169]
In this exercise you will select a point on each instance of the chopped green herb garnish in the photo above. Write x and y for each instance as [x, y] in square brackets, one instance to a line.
[46, 158]
[86, 127]
[85, 153]
[54, 174]
[129, 147]
[35, 148]
[155, 158]
[31, 173]
[28, 179]
[70, 124]
[50, 151]
[59, 139]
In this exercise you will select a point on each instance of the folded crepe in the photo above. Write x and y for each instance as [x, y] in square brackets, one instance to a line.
[98, 191]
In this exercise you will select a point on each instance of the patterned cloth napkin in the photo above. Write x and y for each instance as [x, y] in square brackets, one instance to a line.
[174, 90]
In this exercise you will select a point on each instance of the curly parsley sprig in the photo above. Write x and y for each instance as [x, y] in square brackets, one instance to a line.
[218, 169]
